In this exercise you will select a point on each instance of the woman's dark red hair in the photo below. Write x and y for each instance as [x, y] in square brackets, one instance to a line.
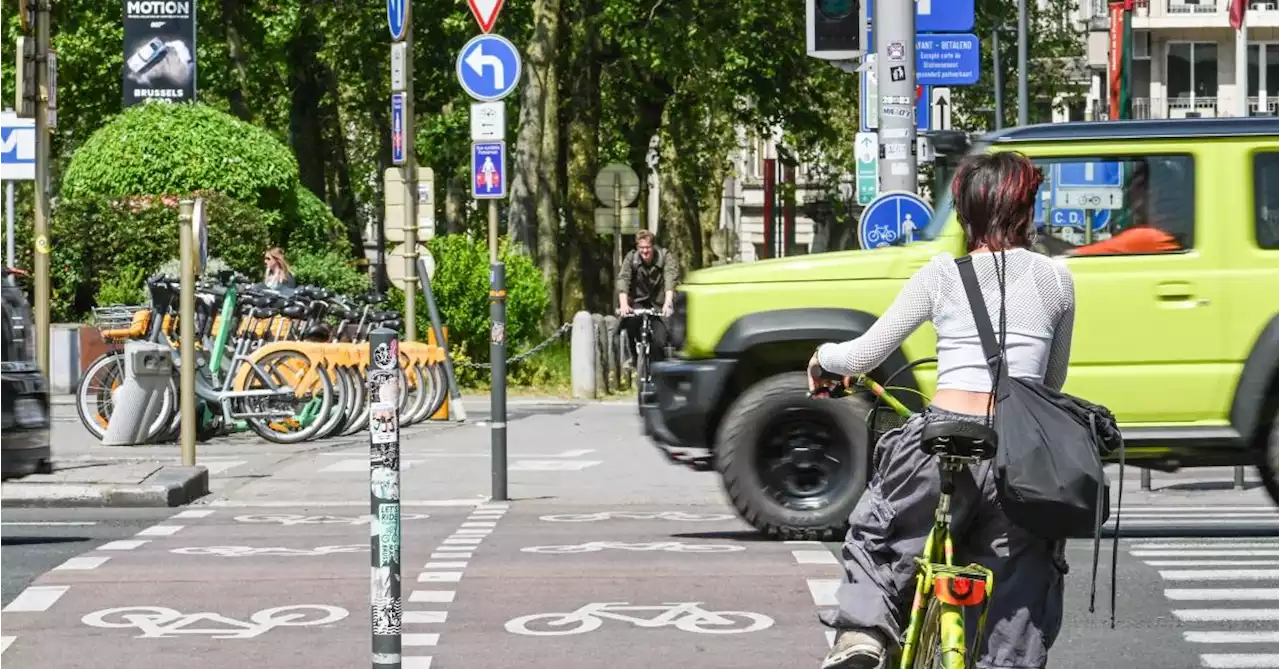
[994, 195]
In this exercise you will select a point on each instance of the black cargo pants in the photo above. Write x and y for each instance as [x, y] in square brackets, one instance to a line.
[887, 532]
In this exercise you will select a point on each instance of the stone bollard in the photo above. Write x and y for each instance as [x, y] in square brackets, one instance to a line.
[582, 357]
[597, 331]
[611, 324]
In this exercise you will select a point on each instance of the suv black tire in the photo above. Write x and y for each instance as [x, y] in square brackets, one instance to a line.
[743, 434]
[1267, 461]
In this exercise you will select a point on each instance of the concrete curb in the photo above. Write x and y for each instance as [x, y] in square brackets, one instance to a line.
[166, 487]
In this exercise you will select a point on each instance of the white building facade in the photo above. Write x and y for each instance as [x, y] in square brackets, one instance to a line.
[1184, 59]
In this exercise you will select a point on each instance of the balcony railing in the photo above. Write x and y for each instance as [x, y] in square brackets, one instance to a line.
[1157, 108]
[1184, 7]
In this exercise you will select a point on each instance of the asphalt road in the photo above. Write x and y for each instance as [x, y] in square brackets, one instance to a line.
[38, 540]
[606, 557]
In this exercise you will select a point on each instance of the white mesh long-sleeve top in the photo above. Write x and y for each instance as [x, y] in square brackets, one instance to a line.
[1039, 316]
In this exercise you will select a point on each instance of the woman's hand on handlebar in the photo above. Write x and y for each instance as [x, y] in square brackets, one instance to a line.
[823, 383]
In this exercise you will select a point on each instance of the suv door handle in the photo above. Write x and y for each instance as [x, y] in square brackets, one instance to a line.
[1174, 291]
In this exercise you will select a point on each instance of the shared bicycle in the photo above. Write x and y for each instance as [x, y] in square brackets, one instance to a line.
[935, 636]
[290, 366]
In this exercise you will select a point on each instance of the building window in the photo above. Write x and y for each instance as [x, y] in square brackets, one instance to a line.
[1264, 59]
[1192, 70]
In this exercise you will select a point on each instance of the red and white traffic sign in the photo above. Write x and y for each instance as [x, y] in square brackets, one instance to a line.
[486, 12]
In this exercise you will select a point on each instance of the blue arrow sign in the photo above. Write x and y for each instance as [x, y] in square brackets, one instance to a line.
[397, 128]
[397, 12]
[488, 67]
[892, 216]
[489, 170]
[1087, 174]
[947, 60]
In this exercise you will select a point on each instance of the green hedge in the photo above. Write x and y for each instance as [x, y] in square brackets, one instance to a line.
[330, 270]
[101, 242]
[164, 149]
[461, 288]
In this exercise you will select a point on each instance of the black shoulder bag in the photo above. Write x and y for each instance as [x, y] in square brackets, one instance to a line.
[1048, 466]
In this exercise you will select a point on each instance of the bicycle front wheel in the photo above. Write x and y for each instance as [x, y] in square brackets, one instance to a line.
[942, 643]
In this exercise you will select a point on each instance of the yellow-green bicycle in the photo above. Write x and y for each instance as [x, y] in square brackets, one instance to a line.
[935, 636]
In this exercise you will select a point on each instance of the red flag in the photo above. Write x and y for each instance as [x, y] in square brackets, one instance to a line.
[1237, 14]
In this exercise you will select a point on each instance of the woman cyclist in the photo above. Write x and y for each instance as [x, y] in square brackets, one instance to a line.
[994, 197]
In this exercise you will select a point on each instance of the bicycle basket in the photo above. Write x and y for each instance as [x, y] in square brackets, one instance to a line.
[121, 321]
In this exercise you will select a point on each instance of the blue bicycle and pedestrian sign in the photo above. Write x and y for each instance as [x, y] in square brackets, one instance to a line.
[489, 170]
[488, 67]
[893, 218]
[397, 128]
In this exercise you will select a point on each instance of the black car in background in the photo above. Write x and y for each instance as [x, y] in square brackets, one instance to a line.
[24, 391]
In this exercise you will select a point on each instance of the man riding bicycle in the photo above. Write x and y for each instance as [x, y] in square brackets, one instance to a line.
[647, 277]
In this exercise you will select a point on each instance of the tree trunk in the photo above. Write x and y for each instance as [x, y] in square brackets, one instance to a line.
[548, 239]
[583, 285]
[522, 219]
[306, 134]
[232, 19]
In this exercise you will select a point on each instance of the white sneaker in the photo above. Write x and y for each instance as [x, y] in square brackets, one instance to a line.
[855, 649]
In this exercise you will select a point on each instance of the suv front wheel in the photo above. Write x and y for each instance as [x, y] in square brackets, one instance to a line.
[793, 467]
[1268, 465]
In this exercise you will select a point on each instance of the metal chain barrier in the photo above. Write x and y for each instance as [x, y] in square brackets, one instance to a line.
[560, 332]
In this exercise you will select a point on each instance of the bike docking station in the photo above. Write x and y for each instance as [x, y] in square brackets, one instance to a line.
[148, 368]
[384, 497]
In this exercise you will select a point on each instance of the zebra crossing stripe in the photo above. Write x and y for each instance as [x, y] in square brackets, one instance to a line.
[1225, 594]
[1232, 637]
[1239, 661]
[1226, 615]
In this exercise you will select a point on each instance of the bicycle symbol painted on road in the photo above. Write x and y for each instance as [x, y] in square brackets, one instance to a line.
[250, 551]
[158, 622]
[636, 515]
[296, 519]
[668, 546]
[685, 616]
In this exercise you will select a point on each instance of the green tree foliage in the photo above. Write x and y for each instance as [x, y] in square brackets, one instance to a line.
[603, 80]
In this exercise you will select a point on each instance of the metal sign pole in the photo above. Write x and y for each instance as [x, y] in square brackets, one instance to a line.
[187, 332]
[384, 498]
[895, 38]
[411, 181]
[43, 290]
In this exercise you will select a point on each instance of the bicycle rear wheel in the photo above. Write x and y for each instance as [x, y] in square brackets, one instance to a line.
[933, 639]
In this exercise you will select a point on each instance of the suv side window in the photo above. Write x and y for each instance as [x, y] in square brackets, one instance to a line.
[1139, 205]
[1266, 198]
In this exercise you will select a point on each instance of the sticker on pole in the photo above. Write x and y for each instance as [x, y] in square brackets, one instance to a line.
[486, 12]
[489, 170]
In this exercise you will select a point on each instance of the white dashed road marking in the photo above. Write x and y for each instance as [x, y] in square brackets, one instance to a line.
[35, 599]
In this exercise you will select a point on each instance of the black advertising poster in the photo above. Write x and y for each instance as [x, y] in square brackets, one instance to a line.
[159, 51]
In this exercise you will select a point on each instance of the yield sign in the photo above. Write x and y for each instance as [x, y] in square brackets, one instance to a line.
[486, 12]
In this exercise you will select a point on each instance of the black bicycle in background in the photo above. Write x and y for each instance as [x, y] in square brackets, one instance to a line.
[642, 348]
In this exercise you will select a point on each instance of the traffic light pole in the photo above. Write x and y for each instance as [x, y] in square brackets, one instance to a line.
[895, 28]
[42, 243]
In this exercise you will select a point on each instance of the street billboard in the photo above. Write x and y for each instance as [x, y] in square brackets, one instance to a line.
[159, 51]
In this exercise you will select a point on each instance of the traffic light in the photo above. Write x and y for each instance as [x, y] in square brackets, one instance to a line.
[834, 29]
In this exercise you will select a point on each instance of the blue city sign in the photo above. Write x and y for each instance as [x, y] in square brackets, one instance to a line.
[1087, 175]
[924, 111]
[397, 128]
[892, 216]
[397, 14]
[932, 16]
[488, 67]
[17, 148]
[947, 60]
[1075, 218]
[489, 170]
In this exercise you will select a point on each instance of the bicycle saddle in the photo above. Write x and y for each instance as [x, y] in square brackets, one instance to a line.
[394, 324]
[293, 311]
[317, 332]
[263, 312]
[958, 438]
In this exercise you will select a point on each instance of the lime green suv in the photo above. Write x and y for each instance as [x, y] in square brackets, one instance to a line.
[1170, 230]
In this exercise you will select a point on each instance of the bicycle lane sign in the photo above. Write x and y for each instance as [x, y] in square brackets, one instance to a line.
[893, 218]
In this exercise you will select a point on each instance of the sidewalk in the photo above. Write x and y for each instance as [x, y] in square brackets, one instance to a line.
[86, 473]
